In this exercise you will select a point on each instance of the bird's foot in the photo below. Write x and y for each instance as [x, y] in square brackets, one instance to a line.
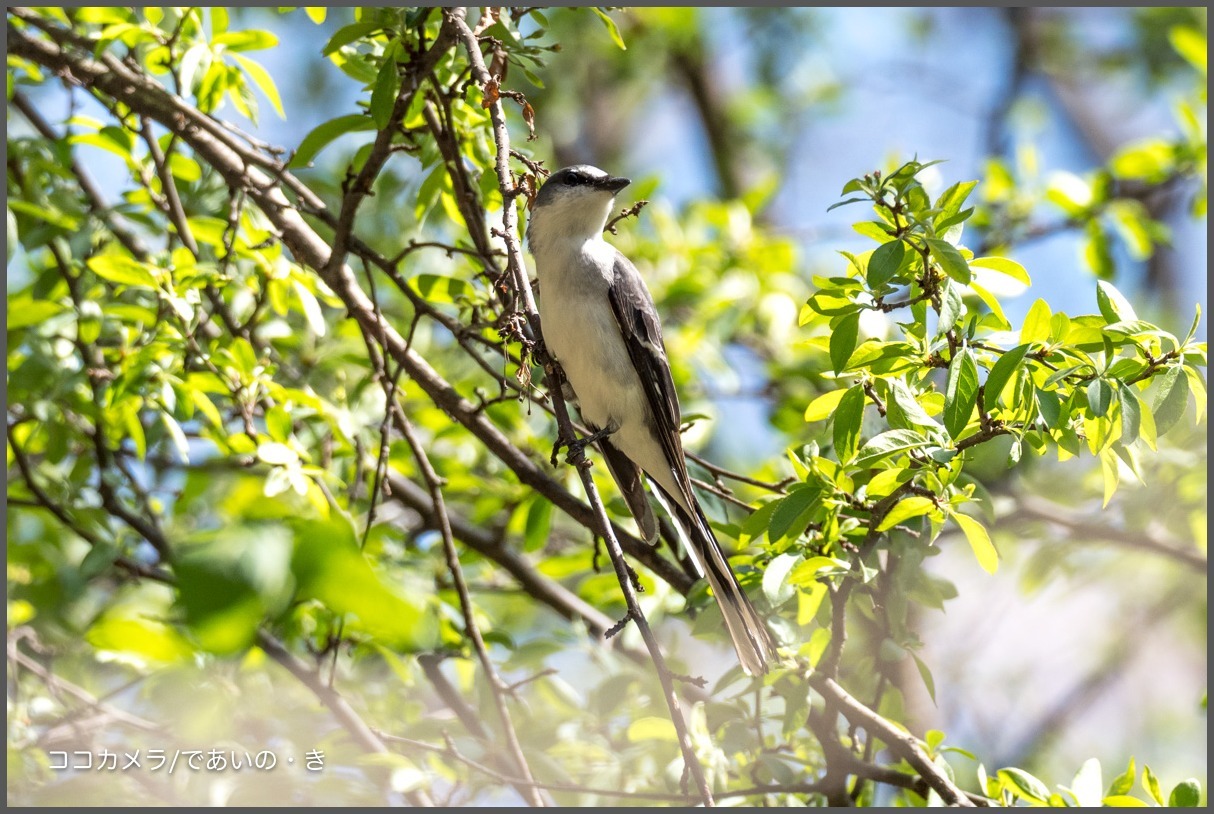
[576, 455]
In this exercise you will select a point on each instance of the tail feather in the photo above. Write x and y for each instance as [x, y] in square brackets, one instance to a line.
[751, 639]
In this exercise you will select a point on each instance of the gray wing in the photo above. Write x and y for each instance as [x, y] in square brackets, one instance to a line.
[628, 477]
[638, 320]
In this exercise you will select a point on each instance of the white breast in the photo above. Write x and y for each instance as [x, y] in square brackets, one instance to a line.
[580, 329]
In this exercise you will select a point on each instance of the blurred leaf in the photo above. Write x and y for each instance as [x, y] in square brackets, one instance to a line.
[612, 28]
[328, 566]
[979, 541]
[1186, 794]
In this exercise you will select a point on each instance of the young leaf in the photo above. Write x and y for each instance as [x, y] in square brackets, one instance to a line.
[1114, 307]
[1036, 327]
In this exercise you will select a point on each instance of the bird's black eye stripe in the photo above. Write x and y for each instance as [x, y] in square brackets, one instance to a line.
[577, 180]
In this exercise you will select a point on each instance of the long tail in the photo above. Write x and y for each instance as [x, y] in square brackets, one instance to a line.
[755, 646]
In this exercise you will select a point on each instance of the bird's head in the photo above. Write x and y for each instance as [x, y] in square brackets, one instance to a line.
[574, 203]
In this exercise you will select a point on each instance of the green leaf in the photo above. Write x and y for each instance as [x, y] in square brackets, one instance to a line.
[1151, 783]
[961, 392]
[1096, 251]
[1170, 400]
[1186, 794]
[262, 79]
[1150, 160]
[951, 307]
[843, 340]
[848, 420]
[1024, 784]
[1123, 801]
[788, 509]
[887, 444]
[1001, 372]
[1004, 266]
[323, 134]
[652, 728]
[23, 313]
[311, 308]
[914, 506]
[1197, 387]
[1114, 307]
[824, 406]
[329, 567]
[1131, 413]
[885, 262]
[775, 576]
[147, 640]
[902, 397]
[950, 260]
[926, 675]
[1036, 327]
[383, 95]
[348, 34]
[1190, 43]
[246, 40]
[612, 28]
[979, 541]
[539, 522]
[1123, 782]
[123, 270]
[1100, 397]
[316, 13]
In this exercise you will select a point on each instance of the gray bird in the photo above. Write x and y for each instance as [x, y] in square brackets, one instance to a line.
[599, 321]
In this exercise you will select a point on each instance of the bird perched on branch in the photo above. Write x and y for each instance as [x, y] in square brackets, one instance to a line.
[599, 322]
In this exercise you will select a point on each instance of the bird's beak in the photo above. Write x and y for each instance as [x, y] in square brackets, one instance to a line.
[615, 184]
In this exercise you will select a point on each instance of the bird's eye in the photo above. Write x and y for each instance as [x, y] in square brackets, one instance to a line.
[577, 180]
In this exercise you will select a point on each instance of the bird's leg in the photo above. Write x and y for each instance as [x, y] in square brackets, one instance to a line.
[577, 447]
